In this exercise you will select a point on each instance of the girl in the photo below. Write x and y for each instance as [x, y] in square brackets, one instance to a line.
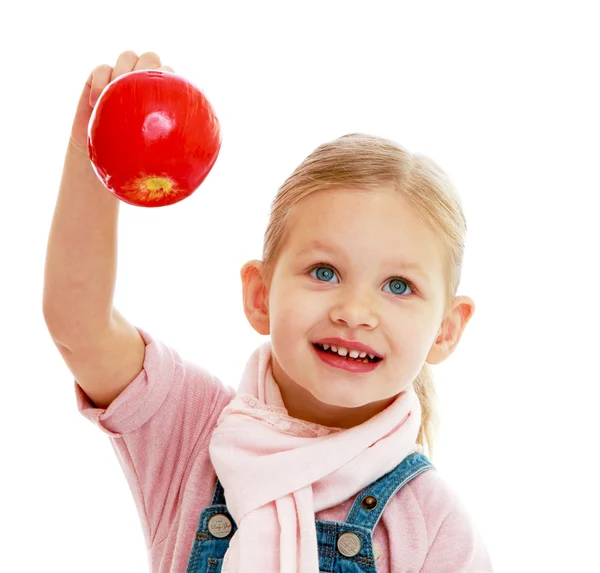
[317, 462]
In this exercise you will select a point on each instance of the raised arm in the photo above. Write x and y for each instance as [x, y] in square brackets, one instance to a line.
[101, 348]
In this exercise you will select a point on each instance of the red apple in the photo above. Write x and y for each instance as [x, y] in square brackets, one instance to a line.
[153, 137]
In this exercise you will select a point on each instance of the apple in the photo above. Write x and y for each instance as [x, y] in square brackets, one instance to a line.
[153, 137]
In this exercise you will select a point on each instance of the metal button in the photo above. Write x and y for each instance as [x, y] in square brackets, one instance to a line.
[219, 525]
[369, 502]
[349, 544]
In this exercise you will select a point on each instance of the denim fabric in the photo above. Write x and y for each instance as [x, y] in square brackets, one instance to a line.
[343, 547]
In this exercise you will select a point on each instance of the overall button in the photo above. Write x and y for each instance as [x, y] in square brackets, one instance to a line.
[369, 502]
[219, 525]
[349, 544]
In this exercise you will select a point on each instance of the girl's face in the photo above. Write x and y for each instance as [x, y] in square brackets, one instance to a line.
[361, 272]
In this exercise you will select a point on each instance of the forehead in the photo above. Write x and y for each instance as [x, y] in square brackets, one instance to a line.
[375, 223]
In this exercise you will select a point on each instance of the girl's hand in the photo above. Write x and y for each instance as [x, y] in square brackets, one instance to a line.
[100, 77]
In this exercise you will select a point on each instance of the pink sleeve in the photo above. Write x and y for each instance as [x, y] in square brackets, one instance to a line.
[457, 546]
[156, 427]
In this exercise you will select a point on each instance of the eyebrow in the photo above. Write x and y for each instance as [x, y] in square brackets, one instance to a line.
[400, 264]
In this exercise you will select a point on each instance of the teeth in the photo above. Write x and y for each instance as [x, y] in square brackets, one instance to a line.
[354, 354]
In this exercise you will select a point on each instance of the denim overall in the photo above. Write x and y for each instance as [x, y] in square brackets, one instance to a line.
[343, 547]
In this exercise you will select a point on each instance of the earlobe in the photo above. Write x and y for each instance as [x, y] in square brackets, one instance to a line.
[255, 296]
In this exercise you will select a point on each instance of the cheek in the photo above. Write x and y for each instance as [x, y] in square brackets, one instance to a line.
[409, 332]
[288, 328]
[294, 312]
[285, 309]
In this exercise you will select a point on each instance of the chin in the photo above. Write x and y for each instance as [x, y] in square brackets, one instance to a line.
[341, 401]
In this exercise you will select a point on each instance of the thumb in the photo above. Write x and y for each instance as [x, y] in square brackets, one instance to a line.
[85, 100]
[99, 77]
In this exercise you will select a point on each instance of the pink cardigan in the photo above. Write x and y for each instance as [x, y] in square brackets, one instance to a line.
[160, 428]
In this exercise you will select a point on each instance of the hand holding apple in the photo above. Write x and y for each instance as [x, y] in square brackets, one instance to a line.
[100, 77]
[153, 137]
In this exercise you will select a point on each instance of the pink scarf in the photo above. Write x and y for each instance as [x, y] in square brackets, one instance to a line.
[278, 471]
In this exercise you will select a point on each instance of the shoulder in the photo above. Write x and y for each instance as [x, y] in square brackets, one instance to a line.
[422, 506]
[433, 498]
[451, 535]
[180, 383]
[168, 387]
[164, 364]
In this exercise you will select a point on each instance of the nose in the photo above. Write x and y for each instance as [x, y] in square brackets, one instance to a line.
[354, 309]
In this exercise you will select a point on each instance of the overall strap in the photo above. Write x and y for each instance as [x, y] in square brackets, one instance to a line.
[218, 494]
[371, 501]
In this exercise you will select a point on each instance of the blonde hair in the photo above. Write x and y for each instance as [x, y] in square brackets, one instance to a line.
[364, 161]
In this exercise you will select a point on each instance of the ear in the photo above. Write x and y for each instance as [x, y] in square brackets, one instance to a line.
[451, 330]
[255, 296]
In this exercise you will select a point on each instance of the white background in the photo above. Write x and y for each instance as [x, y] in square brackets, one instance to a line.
[504, 96]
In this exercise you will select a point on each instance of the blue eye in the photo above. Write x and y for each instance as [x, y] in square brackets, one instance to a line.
[397, 286]
[323, 274]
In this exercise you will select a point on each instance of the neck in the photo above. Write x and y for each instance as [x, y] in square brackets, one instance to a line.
[301, 404]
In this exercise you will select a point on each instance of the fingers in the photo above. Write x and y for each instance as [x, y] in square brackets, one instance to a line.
[148, 61]
[127, 61]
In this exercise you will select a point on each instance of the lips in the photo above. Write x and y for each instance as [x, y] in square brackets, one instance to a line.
[356, 365]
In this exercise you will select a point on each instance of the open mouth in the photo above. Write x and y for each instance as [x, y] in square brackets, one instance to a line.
[350, 355]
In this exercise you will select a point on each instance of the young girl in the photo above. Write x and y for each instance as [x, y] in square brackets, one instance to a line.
[317, 463]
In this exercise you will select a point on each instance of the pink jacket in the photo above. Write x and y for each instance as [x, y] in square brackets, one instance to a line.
[160, 427]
